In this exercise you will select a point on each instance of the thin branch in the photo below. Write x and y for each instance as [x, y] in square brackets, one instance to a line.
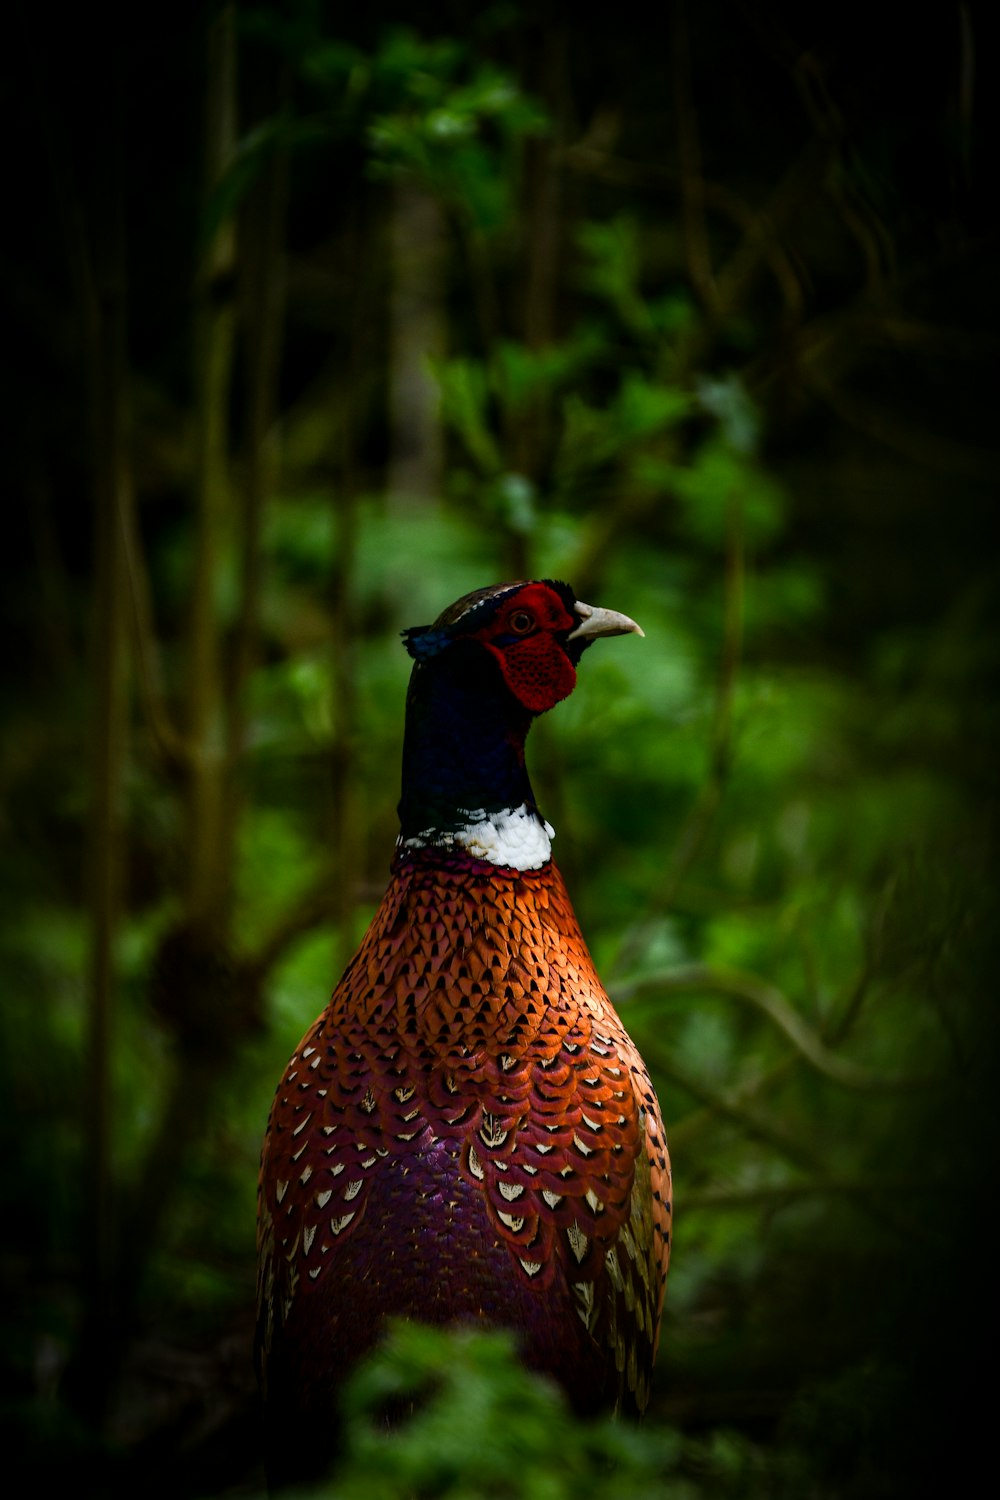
[263, 270]
[769, 1001]
[316, 907]
[191, 986]
[693, 1125]
[629, 512]
[856, 210]
[172, 745]
[761, 244]
[776, 1195]
[759, 226]
[916, 443]
[699, 820]
[347, 826]
[697, 253]
[96, 249]
[482, 278]
[729, 1104]
[839, 1027]
[208, 866]
[879, 1198]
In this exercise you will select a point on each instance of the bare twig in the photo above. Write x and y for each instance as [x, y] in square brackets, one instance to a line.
[918, 444]
[166, 736]
[761, 228]
[262, 272]
[888, 1201]
[209, 872]
[857, 211]
[96, 256]
[732, 1105]
[699, 261]
[699, 820]
[347, 830]
[693, 1125]
[761, 243]
[777, 1195]
[262, 263]
[769, 1001]
[316, 907]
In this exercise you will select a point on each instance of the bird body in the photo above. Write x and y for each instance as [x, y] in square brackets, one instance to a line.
[467, 1133]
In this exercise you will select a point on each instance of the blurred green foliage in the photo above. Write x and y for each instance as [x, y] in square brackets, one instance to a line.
[481, 1425]
[776, 814]
[469, 1423]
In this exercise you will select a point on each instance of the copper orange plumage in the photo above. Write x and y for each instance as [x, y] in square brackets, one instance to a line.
[467, 1134]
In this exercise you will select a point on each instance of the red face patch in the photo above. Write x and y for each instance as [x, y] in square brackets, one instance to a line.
[522, 637]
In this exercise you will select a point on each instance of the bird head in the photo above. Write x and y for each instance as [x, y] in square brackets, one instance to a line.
[487, 666]
[535, 631]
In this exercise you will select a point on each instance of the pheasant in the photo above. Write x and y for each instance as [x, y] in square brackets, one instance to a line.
[467, 1134]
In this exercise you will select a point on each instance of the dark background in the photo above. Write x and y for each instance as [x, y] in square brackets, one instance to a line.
[316, 319]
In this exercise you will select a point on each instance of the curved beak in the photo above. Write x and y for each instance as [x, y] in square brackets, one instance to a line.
[595, 622]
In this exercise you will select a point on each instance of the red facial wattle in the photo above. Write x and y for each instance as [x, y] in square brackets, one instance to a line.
[537, 671]
[523, 638]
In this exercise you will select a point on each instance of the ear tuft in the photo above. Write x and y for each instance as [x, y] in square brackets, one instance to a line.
[422, 641]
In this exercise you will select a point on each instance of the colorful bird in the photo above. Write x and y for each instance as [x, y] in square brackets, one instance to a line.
[467, 1134]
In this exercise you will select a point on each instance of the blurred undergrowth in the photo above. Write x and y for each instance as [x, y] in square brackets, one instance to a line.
[484, 1428]
[428, 307]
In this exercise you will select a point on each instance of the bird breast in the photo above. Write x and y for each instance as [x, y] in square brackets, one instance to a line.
[470, 1085]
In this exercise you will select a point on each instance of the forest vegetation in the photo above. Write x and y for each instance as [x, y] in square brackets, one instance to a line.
[318, 317]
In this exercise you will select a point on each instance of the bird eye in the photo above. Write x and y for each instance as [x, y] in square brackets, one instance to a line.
[521, 622]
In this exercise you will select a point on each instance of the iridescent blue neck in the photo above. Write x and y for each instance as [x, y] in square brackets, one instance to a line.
[464, 777]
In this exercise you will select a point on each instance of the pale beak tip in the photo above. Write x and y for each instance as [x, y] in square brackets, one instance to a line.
[596, 622]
